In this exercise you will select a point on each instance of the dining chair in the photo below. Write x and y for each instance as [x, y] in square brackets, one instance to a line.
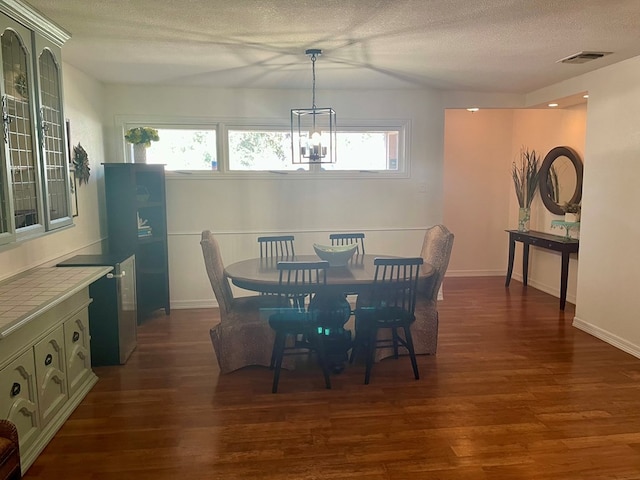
[9, 451]
[280, 246]
[348, 239]
[436, 251]
[297, 331]
[389, 305]
[243, 336]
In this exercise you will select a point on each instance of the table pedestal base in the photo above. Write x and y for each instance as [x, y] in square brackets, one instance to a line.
[333, 312]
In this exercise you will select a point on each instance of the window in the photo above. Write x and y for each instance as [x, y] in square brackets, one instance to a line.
[367, 150]
[245, 148]
[260, 150]
[184, 149]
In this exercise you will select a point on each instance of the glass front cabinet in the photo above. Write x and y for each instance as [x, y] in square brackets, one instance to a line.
[35, 194]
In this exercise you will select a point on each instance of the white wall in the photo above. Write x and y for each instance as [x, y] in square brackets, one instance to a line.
[393, 213]
[608, 300]
[478, 155]
[83, 99]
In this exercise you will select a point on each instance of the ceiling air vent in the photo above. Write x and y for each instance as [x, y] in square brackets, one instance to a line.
[583, 57]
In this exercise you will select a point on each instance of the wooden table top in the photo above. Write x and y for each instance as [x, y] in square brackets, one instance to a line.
[261, 274]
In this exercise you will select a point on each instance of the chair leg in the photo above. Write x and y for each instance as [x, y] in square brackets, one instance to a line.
[322, 359]
[278, 348]
[412, 353]
[274, 351]
[394, 337]
[355, 346]
[370, 351]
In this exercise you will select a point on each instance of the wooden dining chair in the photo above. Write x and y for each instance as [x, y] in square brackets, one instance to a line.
[389, 305]
[280, 246]
[297, 331]
[348, 239]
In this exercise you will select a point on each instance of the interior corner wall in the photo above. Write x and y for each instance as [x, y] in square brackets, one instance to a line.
[541, 130]
[477, 151]
[479, 200]
[83, 100]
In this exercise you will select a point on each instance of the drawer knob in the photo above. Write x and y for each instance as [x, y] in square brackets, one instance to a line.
[15, 389]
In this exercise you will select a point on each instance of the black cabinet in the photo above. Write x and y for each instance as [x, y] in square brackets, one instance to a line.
[137, 224]
[112, 312]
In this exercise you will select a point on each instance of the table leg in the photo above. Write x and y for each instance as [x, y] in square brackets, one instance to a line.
[512, 253]
[525, 263]
[333, 312]
[564, 274]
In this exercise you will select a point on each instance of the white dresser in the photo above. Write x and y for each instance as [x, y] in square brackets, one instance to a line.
[45, 357]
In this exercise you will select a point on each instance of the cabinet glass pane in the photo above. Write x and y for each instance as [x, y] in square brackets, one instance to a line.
[22, 157]
[53, 130]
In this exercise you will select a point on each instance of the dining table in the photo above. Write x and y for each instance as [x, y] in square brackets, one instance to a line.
[354, 278]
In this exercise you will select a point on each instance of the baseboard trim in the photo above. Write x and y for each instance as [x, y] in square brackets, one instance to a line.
[187, 304]
[607, 337]
[475, 273]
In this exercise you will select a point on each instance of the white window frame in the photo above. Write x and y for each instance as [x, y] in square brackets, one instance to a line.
[223, 125]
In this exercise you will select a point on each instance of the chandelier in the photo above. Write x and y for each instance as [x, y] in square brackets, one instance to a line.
[313, 130]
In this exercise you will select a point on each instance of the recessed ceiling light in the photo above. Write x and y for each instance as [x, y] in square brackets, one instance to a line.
[585, 96]
[553, 105]
[473, 109]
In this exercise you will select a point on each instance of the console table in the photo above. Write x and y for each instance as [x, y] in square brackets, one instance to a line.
[543, 240]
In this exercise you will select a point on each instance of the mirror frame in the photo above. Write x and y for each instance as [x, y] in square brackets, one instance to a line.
[545, 191]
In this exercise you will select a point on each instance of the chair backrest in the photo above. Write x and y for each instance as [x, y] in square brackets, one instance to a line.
[395, 283]
[348, 239]
[280, 246]
[301, 278]
[436, 251]
[215, 271]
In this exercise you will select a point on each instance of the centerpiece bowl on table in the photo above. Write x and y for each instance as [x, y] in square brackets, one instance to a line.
[336, 255]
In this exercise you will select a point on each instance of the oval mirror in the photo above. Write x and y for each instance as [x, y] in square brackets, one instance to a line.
[560, 179]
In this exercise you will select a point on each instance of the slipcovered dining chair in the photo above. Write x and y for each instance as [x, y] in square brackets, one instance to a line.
[348, 239]
[9, 451]
[436, 251]
[242, 337]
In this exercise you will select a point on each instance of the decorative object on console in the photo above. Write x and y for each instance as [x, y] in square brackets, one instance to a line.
[568, 226]
[141, 138]
[561, 179]
[313, 130]
[81, 164]
[525, 180]
[571, 212]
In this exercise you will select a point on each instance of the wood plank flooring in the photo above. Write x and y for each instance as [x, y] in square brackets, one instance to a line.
[515, 392]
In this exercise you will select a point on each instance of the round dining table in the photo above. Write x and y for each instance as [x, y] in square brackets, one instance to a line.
[262, 275]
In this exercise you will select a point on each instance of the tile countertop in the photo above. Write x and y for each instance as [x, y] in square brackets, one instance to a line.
[31, 293]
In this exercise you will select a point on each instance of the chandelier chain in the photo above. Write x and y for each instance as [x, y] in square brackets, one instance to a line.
[313, 87]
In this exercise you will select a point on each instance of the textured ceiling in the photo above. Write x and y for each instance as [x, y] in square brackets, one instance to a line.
[480, 45]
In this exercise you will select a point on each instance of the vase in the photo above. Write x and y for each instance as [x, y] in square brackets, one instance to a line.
[571, 217]
[139, 153]
[524, 215]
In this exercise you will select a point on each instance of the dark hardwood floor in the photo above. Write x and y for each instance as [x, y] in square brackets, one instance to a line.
[515, 392]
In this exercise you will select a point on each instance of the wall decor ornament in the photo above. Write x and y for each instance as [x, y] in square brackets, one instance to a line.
[525, 173]
[81, 164]
[141, 138]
